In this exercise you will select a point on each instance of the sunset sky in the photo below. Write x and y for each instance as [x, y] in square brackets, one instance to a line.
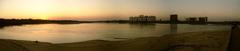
[216, 10]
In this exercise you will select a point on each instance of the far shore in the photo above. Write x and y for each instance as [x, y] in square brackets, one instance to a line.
[191, 41]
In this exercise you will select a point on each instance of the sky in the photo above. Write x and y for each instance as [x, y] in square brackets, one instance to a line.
[216, 10]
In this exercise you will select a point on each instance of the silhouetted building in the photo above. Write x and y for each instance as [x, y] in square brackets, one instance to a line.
[142, 18]
[203, 19]
[197, 20]
[151, 18]
[174, 18]
[191, 19]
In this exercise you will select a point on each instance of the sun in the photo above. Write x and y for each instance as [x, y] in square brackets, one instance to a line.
[44, 17]
[42, 9]
[42, 13]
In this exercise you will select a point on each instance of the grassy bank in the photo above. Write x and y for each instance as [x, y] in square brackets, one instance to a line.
[192, 41]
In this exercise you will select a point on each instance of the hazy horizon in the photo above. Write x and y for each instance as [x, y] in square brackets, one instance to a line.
[216, 10]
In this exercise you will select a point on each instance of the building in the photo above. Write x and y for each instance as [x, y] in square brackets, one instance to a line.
[152, 18]
[203, 19]
[142, 18]
[197, 20]
[191, 19]
[174, 18]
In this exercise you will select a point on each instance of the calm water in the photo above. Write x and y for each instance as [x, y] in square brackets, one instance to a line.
[57, 33]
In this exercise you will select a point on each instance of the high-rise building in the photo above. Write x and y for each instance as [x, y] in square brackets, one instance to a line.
[203, 19]
[197, 20]
[174, 18]
[191, 19]
[142, 18]
[151, 18]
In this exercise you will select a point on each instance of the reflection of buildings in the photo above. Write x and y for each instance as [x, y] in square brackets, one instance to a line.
[173, 25]
[143, 18]
[173, 28]
[144, 26]
[173, 18]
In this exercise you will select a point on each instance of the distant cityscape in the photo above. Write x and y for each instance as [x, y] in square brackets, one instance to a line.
[173, 19]
[142, 18]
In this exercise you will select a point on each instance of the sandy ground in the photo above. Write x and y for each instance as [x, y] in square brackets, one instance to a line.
[192, 41]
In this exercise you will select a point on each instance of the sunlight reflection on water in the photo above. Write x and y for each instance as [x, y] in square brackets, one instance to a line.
[57, 33]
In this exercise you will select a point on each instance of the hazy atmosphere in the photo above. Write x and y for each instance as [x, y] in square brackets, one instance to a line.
[216, 10]
[119, 25]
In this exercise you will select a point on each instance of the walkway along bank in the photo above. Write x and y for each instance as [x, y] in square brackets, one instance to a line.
[234, 42]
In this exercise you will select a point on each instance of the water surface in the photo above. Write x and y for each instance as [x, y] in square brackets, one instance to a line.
[66, 33]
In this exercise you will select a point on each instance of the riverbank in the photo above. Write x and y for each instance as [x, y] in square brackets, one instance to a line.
[192, 41]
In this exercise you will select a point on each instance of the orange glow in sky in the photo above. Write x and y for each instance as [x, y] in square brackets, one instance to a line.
[117, 9]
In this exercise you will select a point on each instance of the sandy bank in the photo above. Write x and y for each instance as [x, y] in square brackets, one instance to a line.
[193, 41]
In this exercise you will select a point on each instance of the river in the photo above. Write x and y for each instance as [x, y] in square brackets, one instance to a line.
[66, 33]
